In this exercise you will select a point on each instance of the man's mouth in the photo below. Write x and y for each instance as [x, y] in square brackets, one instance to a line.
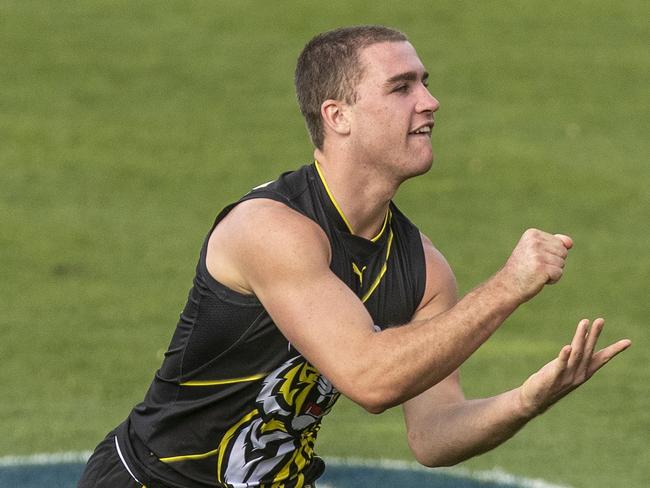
[422, 130]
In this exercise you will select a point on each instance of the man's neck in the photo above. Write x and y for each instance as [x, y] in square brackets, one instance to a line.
[361, 194]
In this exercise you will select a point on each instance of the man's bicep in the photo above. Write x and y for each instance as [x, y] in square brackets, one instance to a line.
[322, 319]
[285, 263]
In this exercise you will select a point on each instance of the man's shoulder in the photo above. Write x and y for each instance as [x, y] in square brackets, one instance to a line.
[261, 238]
[265, 213]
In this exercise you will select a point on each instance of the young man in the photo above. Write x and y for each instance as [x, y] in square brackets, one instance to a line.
[316, 284]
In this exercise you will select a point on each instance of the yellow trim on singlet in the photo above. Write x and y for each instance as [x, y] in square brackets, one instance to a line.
[383, 227]
[338, 208]
[387, 219]
[382, 271]
[189, 457]
[226, 437]
[334, 202]
[226, 381]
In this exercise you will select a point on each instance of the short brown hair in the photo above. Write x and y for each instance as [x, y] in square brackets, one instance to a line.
[329, 68]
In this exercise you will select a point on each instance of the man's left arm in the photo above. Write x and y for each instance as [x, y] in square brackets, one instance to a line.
[444, 428]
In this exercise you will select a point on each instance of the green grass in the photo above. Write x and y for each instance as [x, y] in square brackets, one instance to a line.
[126, 126]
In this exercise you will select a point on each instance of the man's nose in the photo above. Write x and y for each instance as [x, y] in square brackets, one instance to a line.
[427, 102]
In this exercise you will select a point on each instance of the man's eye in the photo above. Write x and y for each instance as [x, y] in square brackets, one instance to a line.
[401, 88]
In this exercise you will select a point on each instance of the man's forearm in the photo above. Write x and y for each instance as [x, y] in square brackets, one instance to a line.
[424, 352]
[451, 433]
[418, 356]
[447, 432]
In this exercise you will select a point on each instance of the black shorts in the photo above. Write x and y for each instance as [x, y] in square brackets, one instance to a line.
[105, 468]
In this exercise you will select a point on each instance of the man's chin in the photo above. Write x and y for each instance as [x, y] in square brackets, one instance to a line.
[424, 164]
[417, 168]
[424, 169]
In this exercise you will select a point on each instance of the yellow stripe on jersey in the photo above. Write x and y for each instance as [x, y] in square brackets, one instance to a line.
[334, 202]
[382, 272]
[226, 381]
[383, 227]
[338, 208]
[188, 457]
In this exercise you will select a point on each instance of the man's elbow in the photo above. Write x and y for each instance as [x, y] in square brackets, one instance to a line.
[430, 455]
[436, 462]
[372, 396]
[371, 403]
[375, 400]
[434, 459]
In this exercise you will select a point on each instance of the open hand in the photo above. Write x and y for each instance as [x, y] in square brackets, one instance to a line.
[575, 364]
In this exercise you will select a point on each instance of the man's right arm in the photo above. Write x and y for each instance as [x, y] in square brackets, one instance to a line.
[265, 248]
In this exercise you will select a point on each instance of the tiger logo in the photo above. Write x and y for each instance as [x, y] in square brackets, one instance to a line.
[275, 442]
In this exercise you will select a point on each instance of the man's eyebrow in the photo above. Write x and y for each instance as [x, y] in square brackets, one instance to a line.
[406, 76]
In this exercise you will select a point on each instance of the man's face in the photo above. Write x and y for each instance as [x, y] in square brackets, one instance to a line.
[392, 119]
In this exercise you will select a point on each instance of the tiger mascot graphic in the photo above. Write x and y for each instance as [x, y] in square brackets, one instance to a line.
[275, 441]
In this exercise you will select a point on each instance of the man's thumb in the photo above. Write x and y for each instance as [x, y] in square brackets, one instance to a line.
[566, 240]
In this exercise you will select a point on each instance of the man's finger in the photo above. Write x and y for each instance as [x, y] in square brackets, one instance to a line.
[602, 357]
[554, 274]
[578, 343]
[554, 268]
[553, 244]
[592, 339]
[554, 260]
[565, 354]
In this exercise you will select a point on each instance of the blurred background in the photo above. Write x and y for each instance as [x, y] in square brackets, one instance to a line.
[126, 126]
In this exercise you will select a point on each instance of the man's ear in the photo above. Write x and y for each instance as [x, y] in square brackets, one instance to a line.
[335, 116]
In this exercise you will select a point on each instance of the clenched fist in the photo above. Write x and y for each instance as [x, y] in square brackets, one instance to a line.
[538, 259]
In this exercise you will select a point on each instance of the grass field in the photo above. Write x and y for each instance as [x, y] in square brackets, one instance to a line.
[126, 126]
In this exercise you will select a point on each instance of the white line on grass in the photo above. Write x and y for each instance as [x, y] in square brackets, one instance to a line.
[45, 458]
[496, 475]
